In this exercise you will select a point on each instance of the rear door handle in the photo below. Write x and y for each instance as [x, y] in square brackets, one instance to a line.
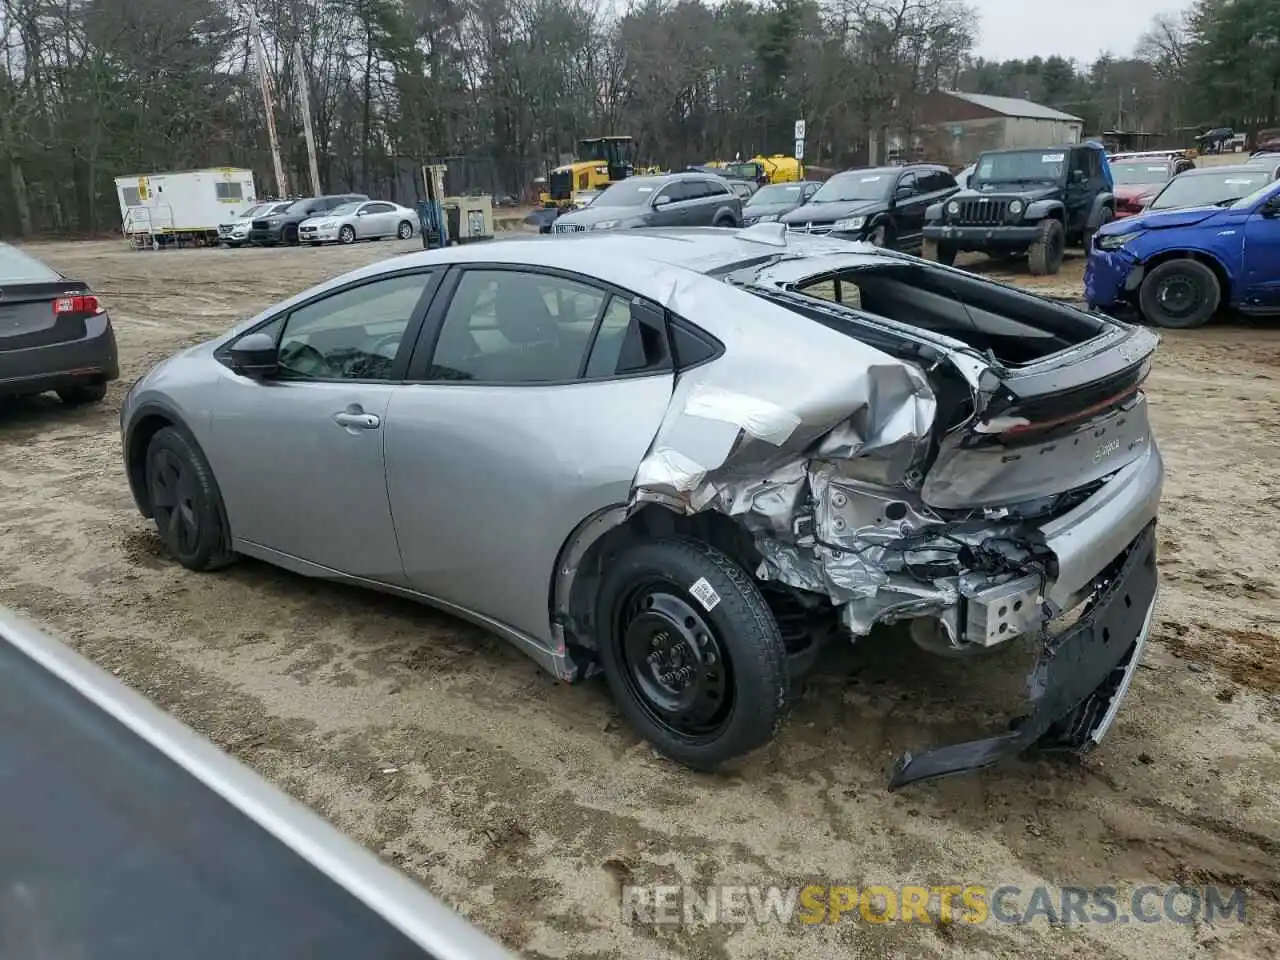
[357, 421]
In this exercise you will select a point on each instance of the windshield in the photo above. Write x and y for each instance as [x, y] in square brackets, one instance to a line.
[1020, 166]
[345, 209]
[1206, 189]
[854, 186]
[256, 209]
[1140, 171]
[778, 193]
[628, 193]
[1249, 200]
[279, 208]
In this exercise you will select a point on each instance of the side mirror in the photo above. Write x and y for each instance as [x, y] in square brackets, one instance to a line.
[1078, 176]
[255, 355]
[1271, 209]
[662, 200]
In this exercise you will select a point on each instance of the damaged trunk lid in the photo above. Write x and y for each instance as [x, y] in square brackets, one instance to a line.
[1045, 399]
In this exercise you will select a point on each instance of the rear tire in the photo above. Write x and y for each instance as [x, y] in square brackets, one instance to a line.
[1044, 257]
[1180, 294]
[662, 650]
[942, 253]
[185, 502]
[405, 230]
[82, 393]
[723, 222]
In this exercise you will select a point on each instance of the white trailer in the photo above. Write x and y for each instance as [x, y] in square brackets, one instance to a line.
[162, 208]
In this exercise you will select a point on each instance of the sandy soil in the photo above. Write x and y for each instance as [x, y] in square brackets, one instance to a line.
[524, 803]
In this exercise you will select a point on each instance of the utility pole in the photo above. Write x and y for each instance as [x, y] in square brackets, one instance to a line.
[268, 102]
[304, 101]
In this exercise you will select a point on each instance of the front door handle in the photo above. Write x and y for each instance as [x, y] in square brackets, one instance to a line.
[357, 421]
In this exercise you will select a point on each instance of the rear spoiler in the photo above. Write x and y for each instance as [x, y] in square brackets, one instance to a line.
[126, 835]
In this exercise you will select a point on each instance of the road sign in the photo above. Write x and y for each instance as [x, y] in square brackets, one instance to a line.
[799, 149]
[799, 129]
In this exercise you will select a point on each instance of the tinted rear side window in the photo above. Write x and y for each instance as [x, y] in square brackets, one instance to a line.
[18, 267]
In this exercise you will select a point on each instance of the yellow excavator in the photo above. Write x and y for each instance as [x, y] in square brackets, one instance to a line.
[778, 168]
[602, 161]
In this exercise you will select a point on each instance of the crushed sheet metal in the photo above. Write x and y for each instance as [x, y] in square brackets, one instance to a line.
[716, 443]
[759, 418]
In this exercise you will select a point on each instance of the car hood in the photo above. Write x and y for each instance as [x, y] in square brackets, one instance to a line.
[321, 218]
[1027, 193]
[1160, 220]
[1132, 191]
[593, 214]
[768, 209]
[835, 210]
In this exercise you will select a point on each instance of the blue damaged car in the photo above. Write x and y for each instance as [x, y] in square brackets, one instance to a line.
[1177, 267]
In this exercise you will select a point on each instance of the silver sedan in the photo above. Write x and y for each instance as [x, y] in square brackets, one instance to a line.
[360, 220]
[686, 459]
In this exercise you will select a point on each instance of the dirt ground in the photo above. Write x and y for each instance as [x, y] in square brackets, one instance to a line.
[525, 803]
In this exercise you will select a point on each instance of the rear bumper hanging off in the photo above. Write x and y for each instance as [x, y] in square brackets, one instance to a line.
[1078, 682]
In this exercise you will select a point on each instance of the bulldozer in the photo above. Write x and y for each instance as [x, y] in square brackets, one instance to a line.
[778, 168]
[602, 161]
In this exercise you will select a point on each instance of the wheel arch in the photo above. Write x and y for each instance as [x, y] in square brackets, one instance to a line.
[588, 548]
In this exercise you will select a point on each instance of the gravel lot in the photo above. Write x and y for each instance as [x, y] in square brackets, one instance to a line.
[525, 803]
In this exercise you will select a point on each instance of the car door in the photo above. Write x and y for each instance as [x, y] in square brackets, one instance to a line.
[908, 209]
[366, 221]
[675, 212]
[538, 397]
[1079, 190]
[382, 219]
[299, 456]
[1262, 255]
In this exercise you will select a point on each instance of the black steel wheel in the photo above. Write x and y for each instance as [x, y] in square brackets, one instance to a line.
[185, 502]
[676, 667]
[692, 652]
[1180, 294]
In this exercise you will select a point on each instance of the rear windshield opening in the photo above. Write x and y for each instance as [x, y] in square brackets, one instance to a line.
[1013, 327]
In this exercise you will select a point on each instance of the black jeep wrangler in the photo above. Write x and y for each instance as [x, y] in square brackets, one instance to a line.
[1032, 202]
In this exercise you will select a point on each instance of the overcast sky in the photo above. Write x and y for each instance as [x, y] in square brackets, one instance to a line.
[1077, 28]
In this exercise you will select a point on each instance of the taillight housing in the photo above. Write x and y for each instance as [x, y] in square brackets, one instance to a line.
[84, 303]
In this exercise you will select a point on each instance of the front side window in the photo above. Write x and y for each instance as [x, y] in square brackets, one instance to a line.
[353, 334]
[508, 326]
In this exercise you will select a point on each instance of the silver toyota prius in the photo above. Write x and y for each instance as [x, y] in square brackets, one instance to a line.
[687, 459]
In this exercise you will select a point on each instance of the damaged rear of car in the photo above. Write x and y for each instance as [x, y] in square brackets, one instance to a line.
[987, 474]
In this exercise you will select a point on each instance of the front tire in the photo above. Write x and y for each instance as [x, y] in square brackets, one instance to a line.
[1044, 257]
[1180, 294]
[347, 234]
[185, 502]
[942, 253]
[405, 230]
[879, 236]
[290, 236]
[703, 686]
[82, 393]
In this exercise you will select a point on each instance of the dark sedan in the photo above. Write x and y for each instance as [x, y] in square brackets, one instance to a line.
[882, 205]
[770, 203]
[54, 333]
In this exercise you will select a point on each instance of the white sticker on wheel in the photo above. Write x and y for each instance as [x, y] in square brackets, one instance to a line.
[705, 594]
